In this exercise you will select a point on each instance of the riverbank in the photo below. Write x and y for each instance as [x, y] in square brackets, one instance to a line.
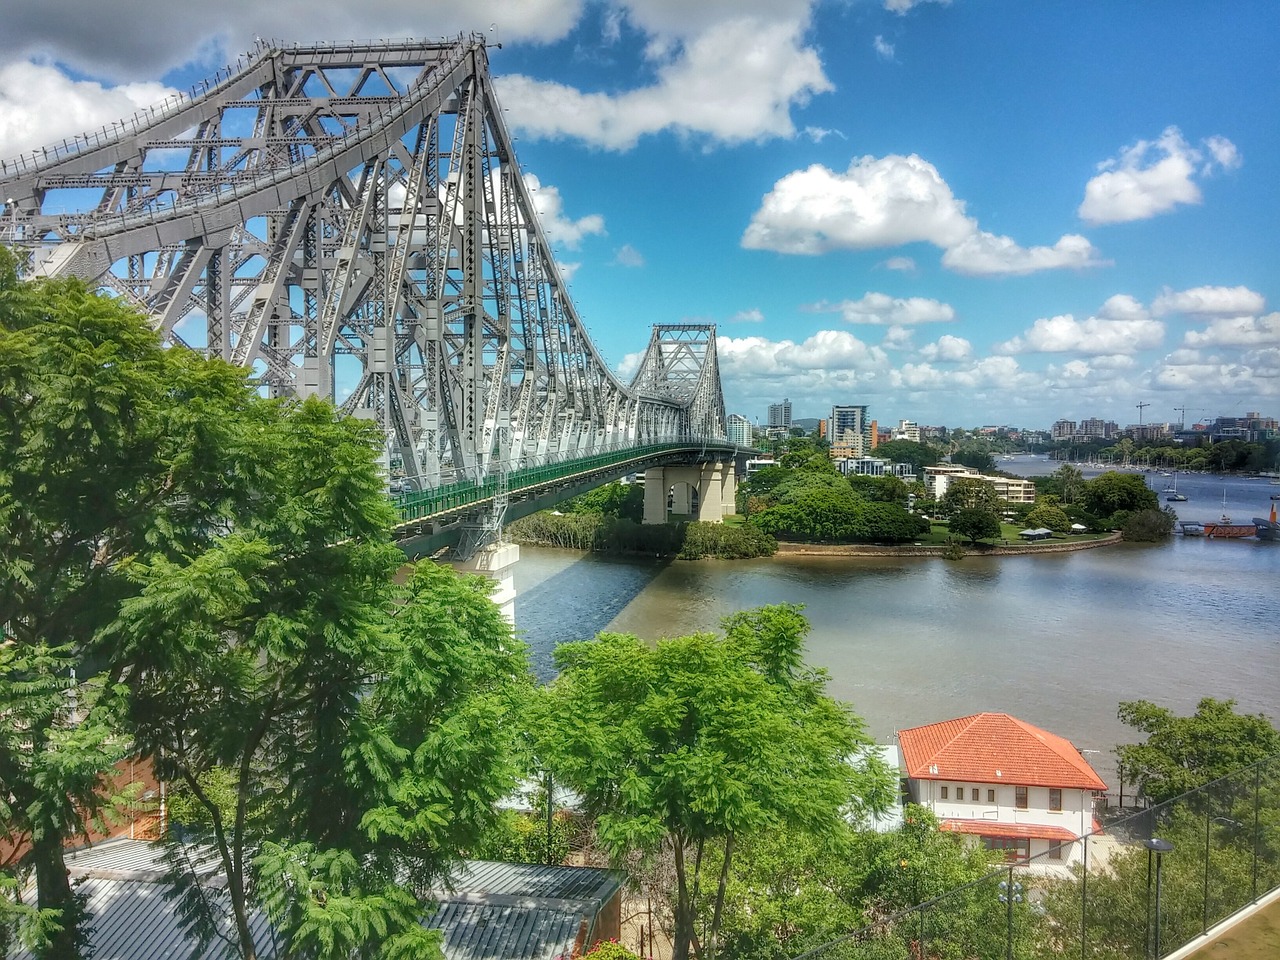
[982, 550]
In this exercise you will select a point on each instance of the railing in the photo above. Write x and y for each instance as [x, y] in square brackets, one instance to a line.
[1140, 888]
[455, 496]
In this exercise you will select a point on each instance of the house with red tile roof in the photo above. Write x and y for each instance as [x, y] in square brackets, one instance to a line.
[1010, 785]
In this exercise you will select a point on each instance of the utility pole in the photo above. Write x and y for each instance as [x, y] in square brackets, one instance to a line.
[1141, 406]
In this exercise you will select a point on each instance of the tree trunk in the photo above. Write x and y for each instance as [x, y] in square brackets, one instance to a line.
[713, 940]
[53, 892]
[684, 908]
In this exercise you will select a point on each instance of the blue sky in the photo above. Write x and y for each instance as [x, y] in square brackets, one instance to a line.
[982, 211]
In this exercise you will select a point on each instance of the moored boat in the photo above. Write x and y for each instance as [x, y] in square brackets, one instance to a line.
[1192, 528]
[1267, 529]
[1228, 529]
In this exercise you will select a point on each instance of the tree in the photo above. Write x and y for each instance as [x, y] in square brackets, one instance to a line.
[880, 489]
[1049, 516]
[971, 493]
[689, 746]
[977, 458]
[919, 455]
[1149, 526]
[1182, 753]
[975, 524]
[111, 447]
[1111, 492]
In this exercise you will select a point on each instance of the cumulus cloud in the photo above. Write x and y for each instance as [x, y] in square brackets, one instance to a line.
[1237, 332]
[1253, 375]
[880, 308]
[985, 254]
[753, 315]
[1209, 302]
[825, 351]
[901, 264]
[890, 201]
[883, 48]
[549, 206]
[40, 105]
[947, 349]
[1121, 306]
[736, 81]
[628, 256]
[139, 38]
[1153, 177]
[1000, 372]
[1093, 335]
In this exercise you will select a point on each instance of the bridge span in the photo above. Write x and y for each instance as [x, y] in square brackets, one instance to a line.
[351, 221]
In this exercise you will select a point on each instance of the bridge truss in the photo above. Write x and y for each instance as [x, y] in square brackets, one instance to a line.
[350, 221]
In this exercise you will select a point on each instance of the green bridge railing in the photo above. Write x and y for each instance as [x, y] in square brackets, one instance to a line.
[457, 496]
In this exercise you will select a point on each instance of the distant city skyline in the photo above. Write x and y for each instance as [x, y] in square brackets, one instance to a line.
[973, 210]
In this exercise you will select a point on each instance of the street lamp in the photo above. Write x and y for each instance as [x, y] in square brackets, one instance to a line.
[1010, 893]
[1159, 847]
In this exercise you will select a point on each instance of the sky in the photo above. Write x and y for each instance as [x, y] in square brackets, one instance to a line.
[959, 213]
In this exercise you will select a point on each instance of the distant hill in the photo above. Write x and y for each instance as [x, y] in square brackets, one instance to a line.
[808, 423]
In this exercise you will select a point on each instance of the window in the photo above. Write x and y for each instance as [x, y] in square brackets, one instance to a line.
[1015, 848]
[974, 795]
[959, 792]
[944, 791]
[991, 796]
[1020, 797]
[1055, 851]
[1055, 799]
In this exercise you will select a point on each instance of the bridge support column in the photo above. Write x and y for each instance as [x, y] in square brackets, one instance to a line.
[655, 495]
[729, 489]
[710, 483]
[497, 561]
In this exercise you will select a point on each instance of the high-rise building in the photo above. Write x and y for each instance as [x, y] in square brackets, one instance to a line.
[780, 414]
[1063, 429]
[739, 430]
[907, 430]
[848, 432]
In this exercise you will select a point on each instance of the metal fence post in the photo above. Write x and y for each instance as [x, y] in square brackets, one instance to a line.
[1257, 794]
[1084, 899]
[1204, 904]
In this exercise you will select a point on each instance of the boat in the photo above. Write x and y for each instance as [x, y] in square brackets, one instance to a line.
[1173, 495]
[1192, 528]
[1224, 528]
[1268, 529]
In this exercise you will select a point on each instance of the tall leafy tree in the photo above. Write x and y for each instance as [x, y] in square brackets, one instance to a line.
[684, 748]
[110, 447]
[971, 493]
[1182, 753]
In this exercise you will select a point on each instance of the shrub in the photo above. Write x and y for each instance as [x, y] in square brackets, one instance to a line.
[1149, 526]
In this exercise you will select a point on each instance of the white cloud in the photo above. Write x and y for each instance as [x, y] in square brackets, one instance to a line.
[985, 254]
[1121, 306]
[880, 308]
[897, 338]
[736, 81]
[881, 202]
[999, 372]
[947, 349]
[1094, 335]
[628, 256]
[1237, 332]
[549, 206]
[887, 202]
[40, 105]
[1254, 375]
[753, 315]
[140, 38]
[1153, 177]
[900, 7]
[883, 48]
[1210, 302]
[826, 350]
[901, 264]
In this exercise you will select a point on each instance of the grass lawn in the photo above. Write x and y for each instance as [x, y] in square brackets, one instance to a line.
[1257, 938]
[938, 533]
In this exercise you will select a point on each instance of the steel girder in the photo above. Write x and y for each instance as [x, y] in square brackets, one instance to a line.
[350, 221]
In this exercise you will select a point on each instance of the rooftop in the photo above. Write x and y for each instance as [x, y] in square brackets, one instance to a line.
[995, 748]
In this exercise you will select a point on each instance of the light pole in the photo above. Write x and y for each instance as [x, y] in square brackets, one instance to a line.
[1010, 893]
[1159, 847]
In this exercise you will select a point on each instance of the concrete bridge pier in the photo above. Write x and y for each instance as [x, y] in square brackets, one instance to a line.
[704, 490]
[497, 561]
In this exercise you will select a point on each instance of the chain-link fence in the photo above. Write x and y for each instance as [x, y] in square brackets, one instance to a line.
[1136, 889]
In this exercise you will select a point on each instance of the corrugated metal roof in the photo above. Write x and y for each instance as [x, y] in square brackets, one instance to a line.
[495, 911]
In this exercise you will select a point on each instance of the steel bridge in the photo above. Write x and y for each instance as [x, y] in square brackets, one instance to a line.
[350, 221]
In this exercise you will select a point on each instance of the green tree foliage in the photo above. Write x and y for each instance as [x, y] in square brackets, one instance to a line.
[880, 489]
[1149, 526]
[694, 744]
[1049, 516]
[687, 540]
[971, 493]
[110, 448]
[976, 458]
[919, 455]
[975, 524]
[1182, 753]
[216, 569]
[1112, 492]
[625, 500]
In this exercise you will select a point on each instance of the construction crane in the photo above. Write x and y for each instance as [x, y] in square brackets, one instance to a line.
[1182, 421]
[1141, 406]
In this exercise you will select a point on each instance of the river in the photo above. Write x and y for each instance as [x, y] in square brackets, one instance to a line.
[1056, 640]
